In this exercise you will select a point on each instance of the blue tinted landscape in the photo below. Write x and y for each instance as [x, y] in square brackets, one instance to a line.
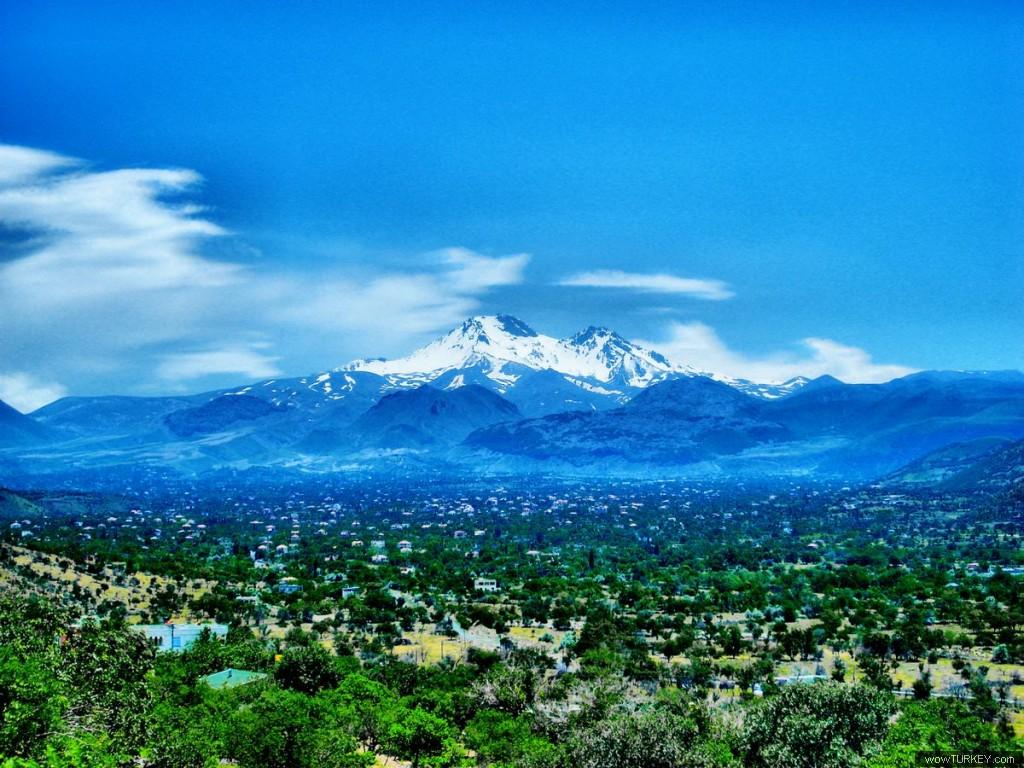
[479, 386]
[493, 396]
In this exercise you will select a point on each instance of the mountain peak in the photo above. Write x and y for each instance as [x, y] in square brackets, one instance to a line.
[16, 427]
[484, 327]
[496, 350]
[514, 326]
[624, 360]
[500, 347]
[595, 334]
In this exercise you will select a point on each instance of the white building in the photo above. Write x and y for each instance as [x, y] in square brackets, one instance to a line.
[485, 585]
[178, 637]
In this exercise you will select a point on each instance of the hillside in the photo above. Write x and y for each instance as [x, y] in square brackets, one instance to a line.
[994, 466]
[14, 506]
[426, 416]
[830, 429]
[679, 422]
[18, 429]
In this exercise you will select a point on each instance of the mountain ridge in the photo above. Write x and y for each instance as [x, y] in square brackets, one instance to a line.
[494, 393]
[500, 347]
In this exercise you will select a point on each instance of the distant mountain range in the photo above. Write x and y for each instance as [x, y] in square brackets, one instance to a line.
[677, 422]
[495, 396]
[827, 428]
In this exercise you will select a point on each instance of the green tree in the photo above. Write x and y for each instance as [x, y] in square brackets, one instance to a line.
[415, 735]
[32, 703]
[937, 725]
[509, 689]
[654, 738]
[105, 667]
[923, 685]
[824, 725]
[184, 737]
[732, 641]
[364, 707]
[497, 737]
[286, 729]
[308, 669]
[839, 670]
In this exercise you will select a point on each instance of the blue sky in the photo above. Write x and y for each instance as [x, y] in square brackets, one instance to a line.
[197, 194]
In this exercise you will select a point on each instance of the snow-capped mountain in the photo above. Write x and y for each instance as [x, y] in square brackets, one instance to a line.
[617, 360]
[502, 348]
[600, 367]
[495, 394]
[593, 370]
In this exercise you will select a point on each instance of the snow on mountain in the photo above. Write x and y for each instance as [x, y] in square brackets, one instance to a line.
[501, 346]
[619, 360]
[594, 369]
[766, 391]
[498, 350]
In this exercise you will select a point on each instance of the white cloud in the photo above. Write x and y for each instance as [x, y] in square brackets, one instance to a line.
[697, 345]
[389, 306]
[714, 290]
[26, 393]
[112, 279]
[394, 306]
[20, 163]
[109, 233]
[472, 272]
[241, 361]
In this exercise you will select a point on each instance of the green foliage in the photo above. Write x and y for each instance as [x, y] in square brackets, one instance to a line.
[84, 751]
[308, 669]
[32, 704]
[507, 689]
[499, 738]
[824, 725]
[923, 686]
[875, 672]
[287, 729]
[654, 738]
[189, 736]
[422, 738]
[105, 668]
[31, 626]
[939, 725]
[206, 656]
[365, 708]
[60, 685]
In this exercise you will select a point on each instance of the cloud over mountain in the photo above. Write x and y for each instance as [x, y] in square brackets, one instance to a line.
[118, 273]
[699, 344]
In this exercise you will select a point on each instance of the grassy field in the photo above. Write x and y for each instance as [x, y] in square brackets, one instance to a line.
[427, 648]
[48, 574]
